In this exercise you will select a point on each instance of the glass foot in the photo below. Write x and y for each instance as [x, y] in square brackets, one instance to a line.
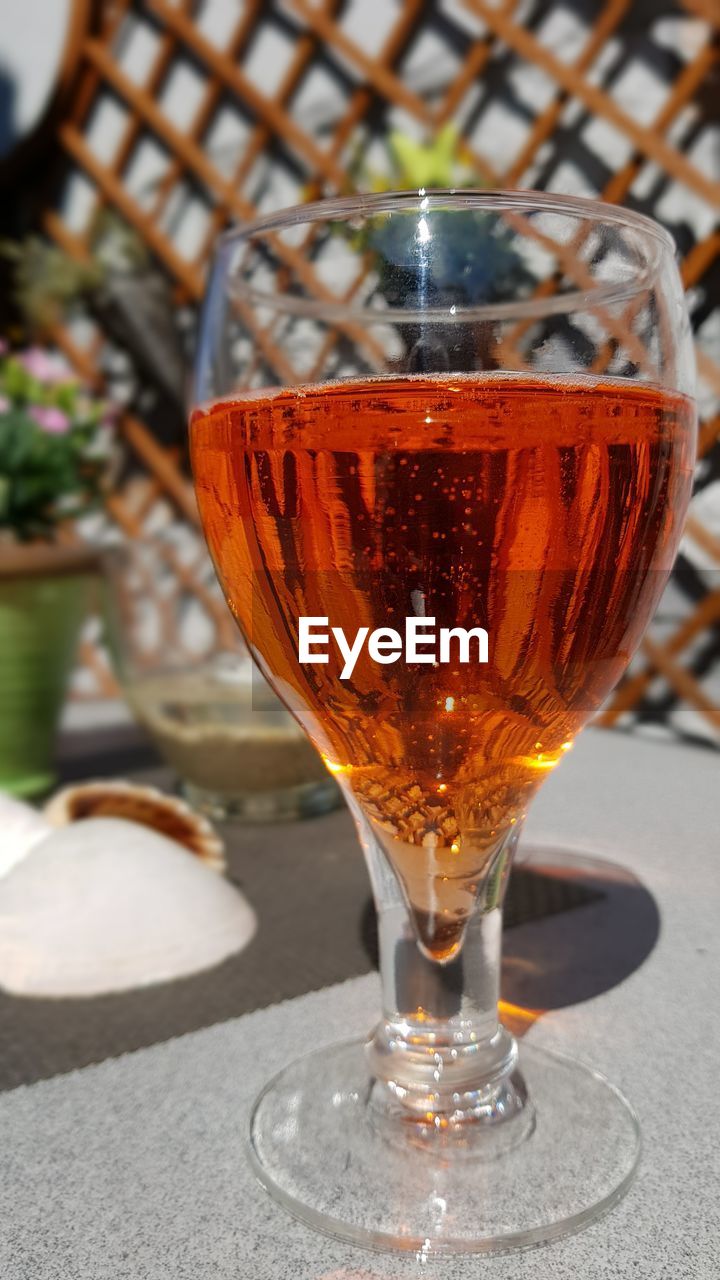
[328, 1146]
[286, 804]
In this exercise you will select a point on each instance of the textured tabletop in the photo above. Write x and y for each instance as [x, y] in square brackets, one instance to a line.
[134, 1169]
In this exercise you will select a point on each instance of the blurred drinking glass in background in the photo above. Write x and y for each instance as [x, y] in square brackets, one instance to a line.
[190, 681]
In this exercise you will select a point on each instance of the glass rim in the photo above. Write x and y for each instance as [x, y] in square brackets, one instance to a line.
[521, 201]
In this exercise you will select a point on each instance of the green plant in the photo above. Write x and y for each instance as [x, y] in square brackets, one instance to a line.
[46, 280]
[118, 285]
[54, 445]
[475, 256]
[48, 284]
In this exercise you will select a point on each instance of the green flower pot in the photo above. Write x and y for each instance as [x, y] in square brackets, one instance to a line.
[45, 594]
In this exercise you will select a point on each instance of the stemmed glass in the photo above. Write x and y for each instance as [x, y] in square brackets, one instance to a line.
[443, 446]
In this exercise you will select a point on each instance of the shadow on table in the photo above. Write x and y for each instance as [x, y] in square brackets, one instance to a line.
[575, 926]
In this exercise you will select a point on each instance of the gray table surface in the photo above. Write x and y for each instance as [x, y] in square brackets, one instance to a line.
[134, 1169]
[308, 885]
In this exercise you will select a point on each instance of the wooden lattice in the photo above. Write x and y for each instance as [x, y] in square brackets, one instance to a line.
[186, 115]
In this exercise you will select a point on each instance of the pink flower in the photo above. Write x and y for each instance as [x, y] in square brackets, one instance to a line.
[52, 420]
[4, 404]
[47, 368]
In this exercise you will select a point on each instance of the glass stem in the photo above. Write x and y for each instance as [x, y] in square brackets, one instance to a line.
[440, 1050]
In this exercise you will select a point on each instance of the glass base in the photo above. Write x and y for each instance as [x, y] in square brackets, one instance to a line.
[286, 804]
[329, 1145]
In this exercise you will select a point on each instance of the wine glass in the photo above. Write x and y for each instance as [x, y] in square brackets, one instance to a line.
[189, 680]
[443, 447]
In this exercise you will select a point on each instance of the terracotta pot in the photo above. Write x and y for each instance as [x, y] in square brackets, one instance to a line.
[45, 593]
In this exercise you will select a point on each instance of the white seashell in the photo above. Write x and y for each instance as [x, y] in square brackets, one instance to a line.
[21, 827]
[107, 905]
[117, 798]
